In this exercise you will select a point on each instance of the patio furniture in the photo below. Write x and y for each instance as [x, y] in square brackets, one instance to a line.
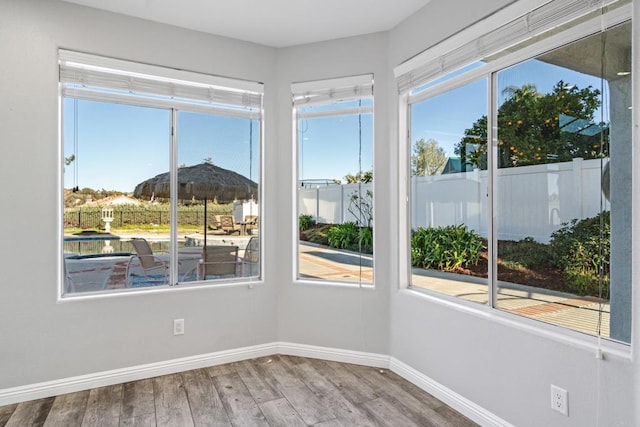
[69, 286]
[216, 223]
[90, 272]
[250, 224]
[219, 261]
[228, 224]
[148, 262]
[251, 258]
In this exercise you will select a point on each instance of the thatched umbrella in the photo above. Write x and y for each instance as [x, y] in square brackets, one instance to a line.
[202, 182]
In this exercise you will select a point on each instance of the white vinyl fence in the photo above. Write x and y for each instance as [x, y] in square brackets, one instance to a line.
[532, 201]
[330, 204]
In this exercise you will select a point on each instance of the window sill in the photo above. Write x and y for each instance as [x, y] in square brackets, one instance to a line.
[182, 287]
[583, 341]
[303, 282]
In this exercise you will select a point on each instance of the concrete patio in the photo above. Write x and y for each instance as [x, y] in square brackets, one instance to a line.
[582, 314]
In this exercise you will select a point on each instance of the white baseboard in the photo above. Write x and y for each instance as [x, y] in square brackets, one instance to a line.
[118, 376]
[335, 354]
[446, 395]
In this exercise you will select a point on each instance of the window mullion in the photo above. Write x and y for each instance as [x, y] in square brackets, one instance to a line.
[492, 174]
[173, 178]
[408, 189]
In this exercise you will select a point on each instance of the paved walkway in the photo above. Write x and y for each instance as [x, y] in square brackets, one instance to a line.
[581, 314]
[319, 262]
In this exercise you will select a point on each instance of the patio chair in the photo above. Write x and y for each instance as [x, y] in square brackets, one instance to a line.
[228, 224]
[69, 286]
[85, 273]
[218, 261]
[216, 223]
[251, 223]
[251, 259]
[148, 262]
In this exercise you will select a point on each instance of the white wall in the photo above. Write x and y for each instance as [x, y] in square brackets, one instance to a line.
[43, 340]
[344, 317]
[494, 360]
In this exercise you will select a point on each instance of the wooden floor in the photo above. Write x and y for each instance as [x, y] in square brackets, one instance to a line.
[269, 391]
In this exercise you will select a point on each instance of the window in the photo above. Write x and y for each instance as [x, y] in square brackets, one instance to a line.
[449, 201]
[513, 203]
[334, 128]
[161, 176]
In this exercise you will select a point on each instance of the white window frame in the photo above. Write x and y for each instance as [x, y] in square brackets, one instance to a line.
[489, 71]
[91, 77]
[326, 92]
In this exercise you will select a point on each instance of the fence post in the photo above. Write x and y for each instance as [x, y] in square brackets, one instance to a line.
[79, 218]
[577, 166]
[317, 204]
[341, 204]
[413, 201]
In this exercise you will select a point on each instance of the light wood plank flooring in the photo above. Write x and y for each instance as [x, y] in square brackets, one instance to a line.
[270, 391]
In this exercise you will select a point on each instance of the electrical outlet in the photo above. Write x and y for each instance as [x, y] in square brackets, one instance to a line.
[178, 327]
[560, 400]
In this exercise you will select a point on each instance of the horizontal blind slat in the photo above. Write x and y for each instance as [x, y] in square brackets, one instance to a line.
[97, 78]
[332, 90]
[132, 99]
[533, 24]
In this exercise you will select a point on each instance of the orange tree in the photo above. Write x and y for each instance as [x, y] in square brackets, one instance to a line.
[535, 128]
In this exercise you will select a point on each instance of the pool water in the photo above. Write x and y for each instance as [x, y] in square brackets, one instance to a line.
[101, 246]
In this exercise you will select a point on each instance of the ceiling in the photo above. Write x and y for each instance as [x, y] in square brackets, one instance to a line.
[600, 56]
[276, 23]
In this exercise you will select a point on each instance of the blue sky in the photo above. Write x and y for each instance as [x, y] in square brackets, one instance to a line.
[445, 117]
[329, 147]
[120, 145]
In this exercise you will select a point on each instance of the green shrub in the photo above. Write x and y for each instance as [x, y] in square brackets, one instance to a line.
[351, 236]
[365, 240]
[526, 252]
[445, 248]
[87, 217]
[582, 250]
[316, 234]
[305, 222]
[343, 236]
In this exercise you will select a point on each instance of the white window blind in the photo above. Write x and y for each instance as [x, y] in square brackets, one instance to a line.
[353, 88]
[94, 77]
[475, 46]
